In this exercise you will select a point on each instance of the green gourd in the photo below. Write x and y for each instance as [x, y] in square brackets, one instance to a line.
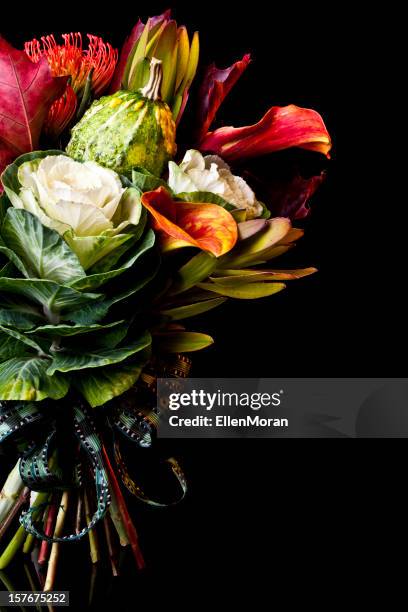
[128, 129]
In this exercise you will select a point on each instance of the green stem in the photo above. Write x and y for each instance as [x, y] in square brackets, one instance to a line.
[28, 544]
[19, 537]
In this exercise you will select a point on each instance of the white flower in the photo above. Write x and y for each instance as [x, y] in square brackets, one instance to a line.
[84, 202]
[211, 173]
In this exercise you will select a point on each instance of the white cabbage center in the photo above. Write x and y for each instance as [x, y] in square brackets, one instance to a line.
[82, 196]
[211, 173]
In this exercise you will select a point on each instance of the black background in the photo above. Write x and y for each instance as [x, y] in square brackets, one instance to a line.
[276, 516]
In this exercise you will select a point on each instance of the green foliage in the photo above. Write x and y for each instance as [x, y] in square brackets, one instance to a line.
[55, 330]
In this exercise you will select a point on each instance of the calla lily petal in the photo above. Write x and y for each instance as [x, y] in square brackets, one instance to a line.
[281, 128]
[216, 85]
[206, 226]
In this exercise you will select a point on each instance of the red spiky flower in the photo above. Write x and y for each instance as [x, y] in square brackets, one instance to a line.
[71, 59]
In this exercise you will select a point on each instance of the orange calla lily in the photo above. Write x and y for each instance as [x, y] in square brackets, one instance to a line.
[281, 128]
[206, 226]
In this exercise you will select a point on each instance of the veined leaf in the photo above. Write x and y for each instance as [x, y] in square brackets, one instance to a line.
[72, 330]
[23, 339]
[195, 270]
[109, 261]
[67, 360]
[14, 259]
[146, 181]
[179, 313]
[111, 337]
[206, 197]
[90, 249]
[12, 347]
[101, 385]
[4, 205]
[18, 315]
[42, 250]
[49, 294]
[25, 378]
[249, 291]
[94, 281]
[92, 313]
[182, 341]
[8, 270]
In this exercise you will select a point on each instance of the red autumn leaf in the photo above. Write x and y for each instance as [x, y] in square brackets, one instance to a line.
[206, 226]
[281, 128]
[27, 91]
[216, 85]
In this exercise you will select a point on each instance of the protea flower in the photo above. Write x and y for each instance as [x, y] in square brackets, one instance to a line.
[162, 39]
[95, 64]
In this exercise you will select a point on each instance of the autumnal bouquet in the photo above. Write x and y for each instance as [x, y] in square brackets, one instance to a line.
[111, 237]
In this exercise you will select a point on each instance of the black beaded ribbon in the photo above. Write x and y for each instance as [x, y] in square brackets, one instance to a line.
[89, 440]
[34, 431]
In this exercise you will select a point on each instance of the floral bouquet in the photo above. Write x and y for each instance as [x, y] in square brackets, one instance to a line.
[112, 236]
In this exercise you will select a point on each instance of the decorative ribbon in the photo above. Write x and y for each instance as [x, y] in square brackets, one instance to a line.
[41, 453]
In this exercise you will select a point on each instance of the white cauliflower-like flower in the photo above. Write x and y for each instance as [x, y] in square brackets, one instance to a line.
[211, 173]
[84, 202]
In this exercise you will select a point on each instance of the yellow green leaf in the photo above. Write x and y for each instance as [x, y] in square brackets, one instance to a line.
[182, 341]
[249, 291]
[183, 52]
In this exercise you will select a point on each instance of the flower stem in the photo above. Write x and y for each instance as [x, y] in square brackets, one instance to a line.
[28, 544]
[49, 529]
[117, 520]
[109, 543]
[93, 537]
[130, 528]
[19, 537]
[55, 548]
[78, 514]
[23, 498]
[10, 492]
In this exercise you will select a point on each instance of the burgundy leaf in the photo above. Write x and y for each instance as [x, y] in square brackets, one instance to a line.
[27, 91]
[216, 85]
[292, 200]
[285, 194]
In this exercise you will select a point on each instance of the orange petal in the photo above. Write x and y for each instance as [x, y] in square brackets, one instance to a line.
[206, 226]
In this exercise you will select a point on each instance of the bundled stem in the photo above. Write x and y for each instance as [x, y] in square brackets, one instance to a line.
[11, 492]
[19, 537]
[130, 528]
[49, 530]
[93, 537]
[22, 499]
[59, 526]
[109, 543]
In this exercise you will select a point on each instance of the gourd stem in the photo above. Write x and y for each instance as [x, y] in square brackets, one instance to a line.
[152, 89]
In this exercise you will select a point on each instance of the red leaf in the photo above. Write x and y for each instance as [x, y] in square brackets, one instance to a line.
[27, 91]
[216, 85]
[281, 128]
